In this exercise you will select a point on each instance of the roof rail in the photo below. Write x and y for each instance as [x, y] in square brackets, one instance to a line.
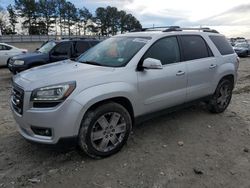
[80, 38]
[160, 28]
[203, 29]
[175, 28]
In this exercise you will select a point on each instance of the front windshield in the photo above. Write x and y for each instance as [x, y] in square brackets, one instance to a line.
[47, 47]
[242, 45]
[114, 52]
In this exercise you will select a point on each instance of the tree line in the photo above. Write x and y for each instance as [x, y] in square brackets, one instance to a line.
[42, 17]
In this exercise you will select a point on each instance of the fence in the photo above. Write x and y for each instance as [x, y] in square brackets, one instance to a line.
[40, 38]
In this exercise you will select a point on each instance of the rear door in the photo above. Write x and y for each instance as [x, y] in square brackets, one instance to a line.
[201, 66]
[166, 87]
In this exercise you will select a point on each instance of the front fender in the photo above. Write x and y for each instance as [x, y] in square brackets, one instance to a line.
[98, 93]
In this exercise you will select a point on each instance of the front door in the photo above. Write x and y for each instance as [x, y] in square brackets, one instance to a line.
[163, 88]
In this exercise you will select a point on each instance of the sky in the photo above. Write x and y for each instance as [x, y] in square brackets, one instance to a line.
[230, 17]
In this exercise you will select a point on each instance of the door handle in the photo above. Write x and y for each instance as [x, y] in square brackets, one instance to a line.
[180, 73]
[212, 66]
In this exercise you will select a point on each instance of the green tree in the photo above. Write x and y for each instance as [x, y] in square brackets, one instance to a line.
[47, 11]
[112, 19]
[131, 23]
[70, 15]
[101, 20]
[85, 15]
[28, 10]
[12, 18]
[60, 12]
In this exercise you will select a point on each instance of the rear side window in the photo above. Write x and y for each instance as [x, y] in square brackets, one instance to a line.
[166, 50]
[222, 45]
[81, 47]
[194, 47]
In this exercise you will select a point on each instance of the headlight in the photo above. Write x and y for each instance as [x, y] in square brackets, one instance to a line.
[18, 62]
[54, 93]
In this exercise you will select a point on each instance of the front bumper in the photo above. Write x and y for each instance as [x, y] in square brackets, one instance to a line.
[64, 120]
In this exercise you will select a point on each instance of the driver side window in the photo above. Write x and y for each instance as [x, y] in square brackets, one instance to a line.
[166, 50]
[62, 50]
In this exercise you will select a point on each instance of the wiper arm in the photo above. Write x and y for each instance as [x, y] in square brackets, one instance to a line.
[91, 62]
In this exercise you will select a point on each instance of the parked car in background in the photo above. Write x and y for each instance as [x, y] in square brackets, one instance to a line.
[96, 99]
[231, 41]
[240, 40]
[242, 49]
[51, 51]
[7, 51]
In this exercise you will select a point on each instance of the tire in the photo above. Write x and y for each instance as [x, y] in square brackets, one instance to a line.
[222, 97]
[98, 136]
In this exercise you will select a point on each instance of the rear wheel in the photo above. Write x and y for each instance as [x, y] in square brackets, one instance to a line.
[104, 130]
[222, 97]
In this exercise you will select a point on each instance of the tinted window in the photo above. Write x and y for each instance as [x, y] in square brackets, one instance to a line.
[3, 47]
[194, 47]
[93, 43]
[222, 45]
[81, 47]
[62, 49]
[166, 50]
[46, 47]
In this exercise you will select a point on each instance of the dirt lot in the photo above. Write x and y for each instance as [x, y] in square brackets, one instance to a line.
[215, 150]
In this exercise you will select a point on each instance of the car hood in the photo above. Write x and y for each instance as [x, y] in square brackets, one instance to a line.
[29, 56]
[60, 72]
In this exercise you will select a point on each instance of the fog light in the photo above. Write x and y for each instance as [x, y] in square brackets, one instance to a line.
[42, 131]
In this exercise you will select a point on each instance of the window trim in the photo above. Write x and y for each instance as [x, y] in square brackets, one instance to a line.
[209, 51]
[139, 65]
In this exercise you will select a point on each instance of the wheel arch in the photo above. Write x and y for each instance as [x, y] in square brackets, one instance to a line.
[125, 102]
[229, 77]
[93, 97]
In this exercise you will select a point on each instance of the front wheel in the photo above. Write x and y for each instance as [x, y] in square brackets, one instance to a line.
[222, 97]
[104, 130]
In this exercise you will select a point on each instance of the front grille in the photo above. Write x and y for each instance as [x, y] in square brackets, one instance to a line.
[17, 96]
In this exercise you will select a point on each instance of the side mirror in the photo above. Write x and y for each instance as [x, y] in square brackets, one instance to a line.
[151, 63]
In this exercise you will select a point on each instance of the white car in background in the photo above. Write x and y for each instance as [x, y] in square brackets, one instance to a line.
[7, 51]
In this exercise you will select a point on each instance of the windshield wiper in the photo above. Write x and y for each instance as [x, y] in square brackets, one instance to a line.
[91, 63]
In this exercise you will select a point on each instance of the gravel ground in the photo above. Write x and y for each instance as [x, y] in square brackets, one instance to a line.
[188, 148]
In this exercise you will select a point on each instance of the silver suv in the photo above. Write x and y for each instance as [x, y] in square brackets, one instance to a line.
[100, 96]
